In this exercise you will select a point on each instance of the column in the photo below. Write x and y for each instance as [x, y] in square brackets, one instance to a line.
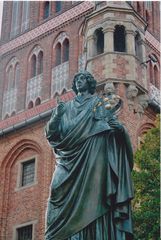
[130, 42]
[90, 46]
[108, 39]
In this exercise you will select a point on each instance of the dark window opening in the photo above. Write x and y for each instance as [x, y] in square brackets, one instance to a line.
[119, 39]
[99, 41]
[46, 9]
[33, 66]
[58, 54]
[30, 105]
[66, 50]
[24, 233]
[28, 172]
[40, 62]
[151, 72]
[156, 76]
[17, 74]
[138, 48]
[38, 101]
[58, 6]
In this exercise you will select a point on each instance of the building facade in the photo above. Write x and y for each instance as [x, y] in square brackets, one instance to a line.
[43, 44]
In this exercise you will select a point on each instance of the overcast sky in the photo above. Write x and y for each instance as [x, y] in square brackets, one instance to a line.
[1, 7]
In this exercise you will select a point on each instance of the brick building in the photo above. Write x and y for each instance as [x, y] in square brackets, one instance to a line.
[43, 44]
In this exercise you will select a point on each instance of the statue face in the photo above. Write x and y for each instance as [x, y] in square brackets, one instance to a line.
[81, 83]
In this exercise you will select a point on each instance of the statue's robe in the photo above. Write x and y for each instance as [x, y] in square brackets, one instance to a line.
[91, 187]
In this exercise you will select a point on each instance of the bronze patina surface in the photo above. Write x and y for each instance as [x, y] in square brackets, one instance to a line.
[91, 189]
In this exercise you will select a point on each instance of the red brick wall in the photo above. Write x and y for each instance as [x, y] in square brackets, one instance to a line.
[28, 204]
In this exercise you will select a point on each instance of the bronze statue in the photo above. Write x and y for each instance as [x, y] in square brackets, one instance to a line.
[91, 189]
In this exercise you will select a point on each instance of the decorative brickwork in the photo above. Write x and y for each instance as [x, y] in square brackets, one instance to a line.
[60, 76]
[34, 88]
[9, 102]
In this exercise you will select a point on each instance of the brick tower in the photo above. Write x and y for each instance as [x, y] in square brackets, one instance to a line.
[43, 44]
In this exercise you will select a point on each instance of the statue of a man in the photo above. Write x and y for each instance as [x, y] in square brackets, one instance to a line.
[91, 189]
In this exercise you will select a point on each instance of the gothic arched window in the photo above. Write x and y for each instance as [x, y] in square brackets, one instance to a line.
[38, 101]
[17, 74]
[99, 35]
[65, 50]
[138, 47]
[58, 54]
[156, 76]
[10, 77]
[119, 39]
[40, 62]
[33, 66]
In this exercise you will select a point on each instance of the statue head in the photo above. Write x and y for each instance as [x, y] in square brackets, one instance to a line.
[90, 80]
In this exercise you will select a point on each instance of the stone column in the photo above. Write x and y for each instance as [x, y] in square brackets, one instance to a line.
[90, 46]
[130, 42]
[108, 39]
[142, 43]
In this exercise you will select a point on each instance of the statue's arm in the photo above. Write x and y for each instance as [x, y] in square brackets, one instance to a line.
[53, 129]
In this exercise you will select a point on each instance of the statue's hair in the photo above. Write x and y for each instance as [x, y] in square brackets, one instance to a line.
[90, 80]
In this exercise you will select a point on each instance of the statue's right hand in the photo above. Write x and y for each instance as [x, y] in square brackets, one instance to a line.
[61, 108]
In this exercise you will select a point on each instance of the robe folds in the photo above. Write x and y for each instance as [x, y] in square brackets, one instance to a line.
[91, 189]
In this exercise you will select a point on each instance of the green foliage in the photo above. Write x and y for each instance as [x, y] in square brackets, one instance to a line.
[147, 187]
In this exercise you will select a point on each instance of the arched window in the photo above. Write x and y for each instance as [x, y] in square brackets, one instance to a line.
[40, 62]
[138, 48]
[30, 105]
[156, 76]
[119, 39]
[46, 9]
[17, 74]
[65, 50]
[99, 35]
[10, 77]
[151, 72]
[58, 6]
[38, 101]
[58, 54]
[33, 66]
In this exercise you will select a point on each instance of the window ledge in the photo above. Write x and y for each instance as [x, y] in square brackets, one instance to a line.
[17, 189]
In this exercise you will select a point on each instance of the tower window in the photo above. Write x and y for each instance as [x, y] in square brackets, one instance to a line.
[138, 48]
[119, 39]
[99, 41]
[156, 76]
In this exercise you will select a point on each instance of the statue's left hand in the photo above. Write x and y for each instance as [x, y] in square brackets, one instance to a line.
[116, 125]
